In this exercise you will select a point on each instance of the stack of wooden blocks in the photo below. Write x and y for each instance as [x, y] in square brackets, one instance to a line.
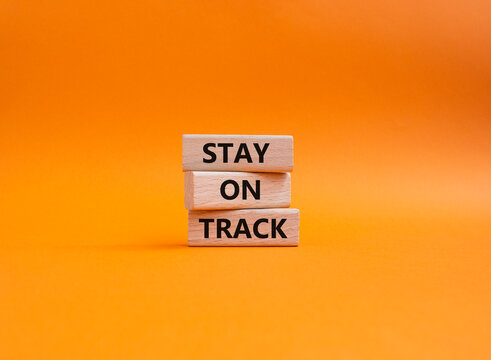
[238, 190]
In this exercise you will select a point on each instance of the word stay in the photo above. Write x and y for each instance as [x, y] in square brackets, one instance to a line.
[257, 153]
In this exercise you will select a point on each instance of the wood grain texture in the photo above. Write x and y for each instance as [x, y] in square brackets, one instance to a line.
[289, 228]
[277, 157]
[203, 190]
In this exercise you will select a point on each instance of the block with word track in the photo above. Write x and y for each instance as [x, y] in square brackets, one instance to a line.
[250, 227]
[206, 190]
[261, 153]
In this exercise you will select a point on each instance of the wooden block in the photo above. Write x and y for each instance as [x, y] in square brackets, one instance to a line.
[205, 190]
[251, 227]
[262, 153]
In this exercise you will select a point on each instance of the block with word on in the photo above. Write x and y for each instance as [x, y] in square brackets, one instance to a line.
[262, 153]
[206, 190]
[248, 227]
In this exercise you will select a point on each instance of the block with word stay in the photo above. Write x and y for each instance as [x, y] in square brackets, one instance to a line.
[206, 190]
[249, 227]
[261, 153]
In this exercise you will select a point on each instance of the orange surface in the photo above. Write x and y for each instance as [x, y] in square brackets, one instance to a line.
[389, 105]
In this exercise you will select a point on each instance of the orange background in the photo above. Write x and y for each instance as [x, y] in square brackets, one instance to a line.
[389, 106]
